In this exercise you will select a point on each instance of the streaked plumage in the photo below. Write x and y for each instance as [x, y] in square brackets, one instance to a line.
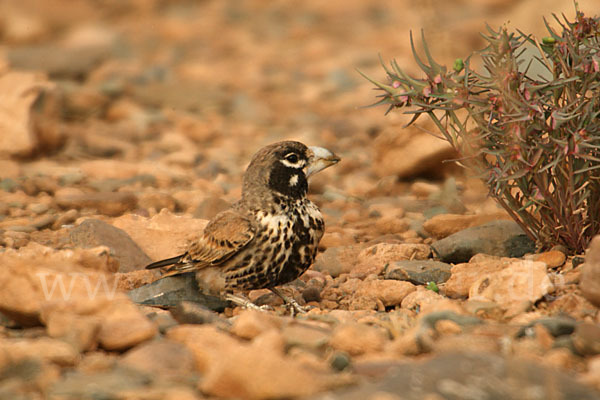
[270, 236]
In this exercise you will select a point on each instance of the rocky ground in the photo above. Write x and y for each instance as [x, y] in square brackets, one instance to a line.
[125, 125]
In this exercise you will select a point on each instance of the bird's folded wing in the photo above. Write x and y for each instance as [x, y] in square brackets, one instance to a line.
[224, 236]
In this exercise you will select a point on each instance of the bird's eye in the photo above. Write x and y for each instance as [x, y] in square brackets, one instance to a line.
[292, 157]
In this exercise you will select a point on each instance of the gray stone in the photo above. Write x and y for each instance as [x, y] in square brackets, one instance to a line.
[171, 290]
[58, 62]
[93, 232]
[498, 238]
[471, 376]
[418, 272]
[108, 203]
[188, 312]
[556, 326]
[101, 385]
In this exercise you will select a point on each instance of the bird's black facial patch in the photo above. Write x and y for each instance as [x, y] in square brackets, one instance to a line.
[287, 175]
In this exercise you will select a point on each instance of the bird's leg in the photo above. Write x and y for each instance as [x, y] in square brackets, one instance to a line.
[245, 303]
[293, 304]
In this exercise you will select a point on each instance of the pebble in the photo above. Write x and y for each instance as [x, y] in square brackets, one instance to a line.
[94, 232]
[107, 203]
[498, 238]
[418, 272]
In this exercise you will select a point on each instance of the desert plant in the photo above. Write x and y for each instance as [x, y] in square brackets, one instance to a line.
[533, 137]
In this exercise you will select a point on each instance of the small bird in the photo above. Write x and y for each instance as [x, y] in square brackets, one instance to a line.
[270, 236]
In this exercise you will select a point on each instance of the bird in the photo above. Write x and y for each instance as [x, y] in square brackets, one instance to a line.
[266, 239]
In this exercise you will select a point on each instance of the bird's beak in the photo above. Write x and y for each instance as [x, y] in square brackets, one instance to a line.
[319, 160]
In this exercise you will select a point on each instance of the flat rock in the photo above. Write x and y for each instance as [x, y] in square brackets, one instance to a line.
[35, 276]
[498, 238]
[590, 273]
[106, 384]
[43, 348]
[465, 274]
[108, 203]
[357, 339]
[373, 259]
[388, 292]
[520, 282]
[410, 154]
[172, 290]
[160, 357]
[418, 272]
[335, 261]
[586, 339]
[162, 236]
[58, 61]
[254, 373]
[93, 233]
[469, 375]
[443, 225]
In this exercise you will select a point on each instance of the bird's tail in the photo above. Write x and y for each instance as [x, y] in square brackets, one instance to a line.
[165, 263]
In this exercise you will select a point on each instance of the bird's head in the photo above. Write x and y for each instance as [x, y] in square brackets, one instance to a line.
[285, 166]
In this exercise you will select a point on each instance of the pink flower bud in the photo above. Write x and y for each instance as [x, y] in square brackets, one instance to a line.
[395, 84]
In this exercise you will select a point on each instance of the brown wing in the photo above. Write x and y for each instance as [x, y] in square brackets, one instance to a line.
[224, 236]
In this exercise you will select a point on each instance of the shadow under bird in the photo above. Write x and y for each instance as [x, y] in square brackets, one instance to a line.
[270, 236]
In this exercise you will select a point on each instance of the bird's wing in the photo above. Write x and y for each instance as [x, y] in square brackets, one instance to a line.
[225, 235]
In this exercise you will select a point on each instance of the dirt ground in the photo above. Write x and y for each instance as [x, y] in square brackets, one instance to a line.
[126, 124]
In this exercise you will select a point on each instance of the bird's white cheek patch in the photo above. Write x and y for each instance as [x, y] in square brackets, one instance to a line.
[294, 180]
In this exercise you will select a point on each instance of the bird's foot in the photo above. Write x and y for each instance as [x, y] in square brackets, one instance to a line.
[245, 303]
[290, 303]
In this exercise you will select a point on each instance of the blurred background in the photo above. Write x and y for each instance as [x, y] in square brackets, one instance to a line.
[186, 91]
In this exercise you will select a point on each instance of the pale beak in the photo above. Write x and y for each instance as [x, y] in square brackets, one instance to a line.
[320, 159]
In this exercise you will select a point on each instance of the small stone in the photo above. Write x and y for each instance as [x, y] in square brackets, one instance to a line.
[411, 154]
[443, 225]
[93, 233]
[66, 218]
[518, 283]
[590, 274]
[373, 259]
[388, 292]
[38, 208]
[157, 201]
[335, 261]
[340, 361]
[498, 238]
[46, 349]
[172, 290]
[161, 358]
[464, 275]
[123, 327]
[586, 339]
[418, 299]
[108, 203]
[306, 336]
[552, 258]
[163, 235]
[187, 312]
[79, 331]
[43, 221]
[418, 272]
[251, 323]
[311, 293]
[358, 339]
